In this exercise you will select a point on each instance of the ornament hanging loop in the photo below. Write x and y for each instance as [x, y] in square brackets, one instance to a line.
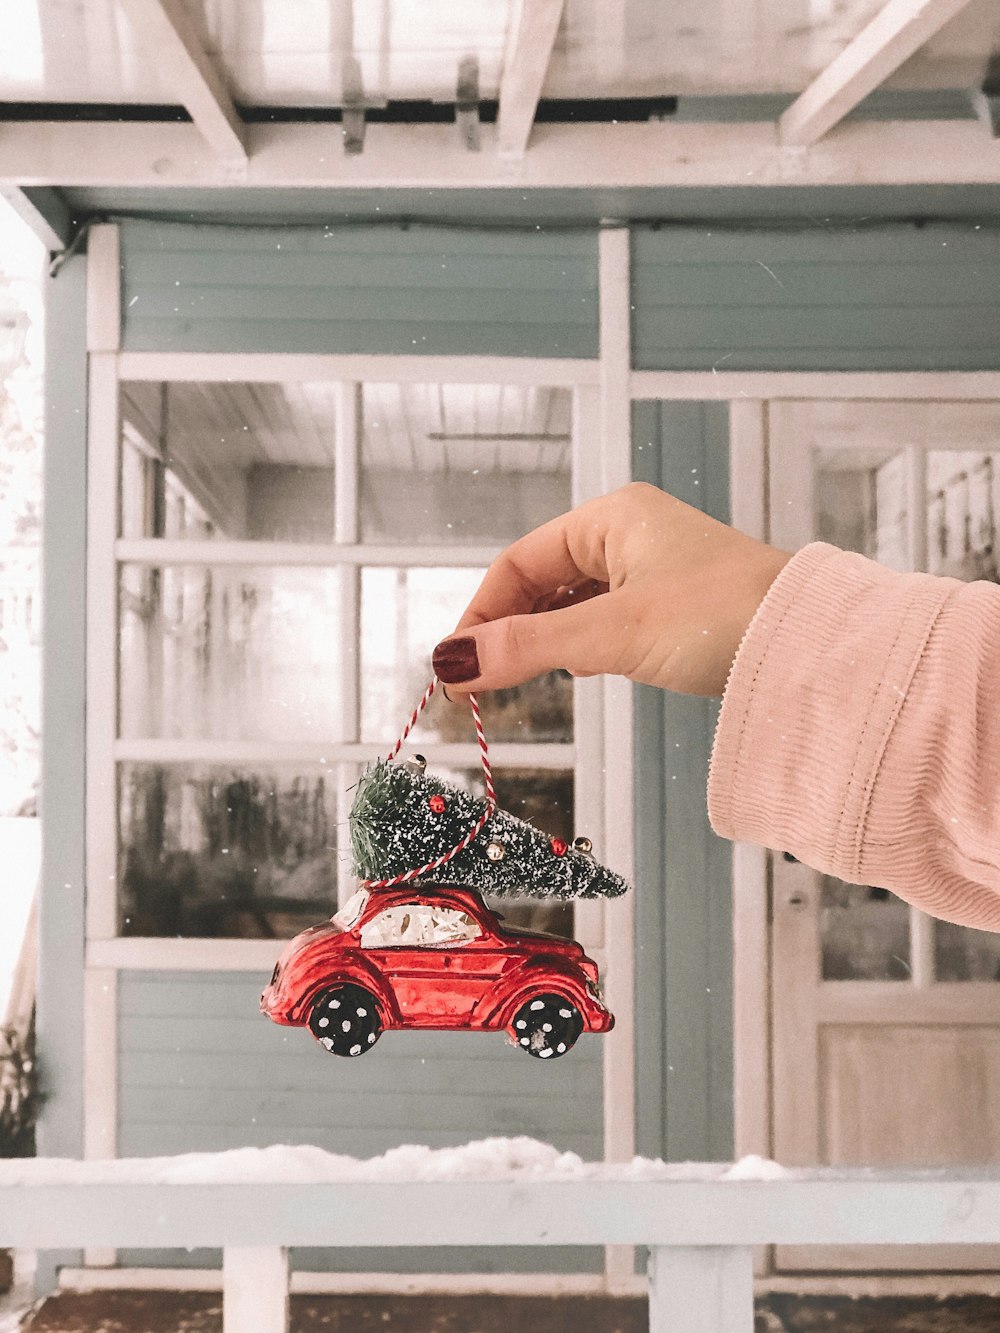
[491, 796]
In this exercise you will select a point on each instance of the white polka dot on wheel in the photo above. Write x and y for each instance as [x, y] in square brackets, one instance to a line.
[327, 1042]
[324, 1022]
[565, 1013]
[362, 1013]
[346, 1025]
[537, 1004]
[355, 1050]
[561, 1047]
[371, 1038]
[334, 1004]
[520, 1023]
[525, 1041]
[544, 1054]
[546, 1027]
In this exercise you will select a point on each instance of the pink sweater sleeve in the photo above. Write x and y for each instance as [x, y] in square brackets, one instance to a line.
[860, 731]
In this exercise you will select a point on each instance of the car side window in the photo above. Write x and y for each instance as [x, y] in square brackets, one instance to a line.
[419, 925]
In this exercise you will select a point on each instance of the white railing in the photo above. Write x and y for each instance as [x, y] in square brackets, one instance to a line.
[700, 1230]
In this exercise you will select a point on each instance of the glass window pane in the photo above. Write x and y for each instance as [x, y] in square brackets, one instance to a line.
[404, 613]
[864, 933]
[961, 954]
[226, 852]
[472, 463]
[861, 503]
[543, 797]
[240, 462]
[963, 500]
[230, 653]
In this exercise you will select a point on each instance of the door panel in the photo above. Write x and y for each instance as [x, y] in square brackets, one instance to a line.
[886, 1023]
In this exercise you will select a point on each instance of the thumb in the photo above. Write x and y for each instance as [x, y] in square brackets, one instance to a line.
[513, 649]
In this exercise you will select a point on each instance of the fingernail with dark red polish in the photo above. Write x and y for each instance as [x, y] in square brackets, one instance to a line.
[456, 660]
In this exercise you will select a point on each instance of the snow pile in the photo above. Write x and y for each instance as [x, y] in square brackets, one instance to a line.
[497, 1159]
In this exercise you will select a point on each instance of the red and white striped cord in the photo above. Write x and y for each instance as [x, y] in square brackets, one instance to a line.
[491, 796]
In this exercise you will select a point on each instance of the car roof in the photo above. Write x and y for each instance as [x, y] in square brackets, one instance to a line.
[448, 895]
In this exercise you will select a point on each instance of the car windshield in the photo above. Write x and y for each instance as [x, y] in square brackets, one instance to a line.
[350, 914]
[419, 925]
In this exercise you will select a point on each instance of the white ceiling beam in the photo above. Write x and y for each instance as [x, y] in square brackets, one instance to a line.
[900, 29]
[581, 156]
[45, 211]
[529, 48]
[166, 34]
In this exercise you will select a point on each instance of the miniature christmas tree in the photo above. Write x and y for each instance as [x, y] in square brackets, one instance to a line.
[403, 818]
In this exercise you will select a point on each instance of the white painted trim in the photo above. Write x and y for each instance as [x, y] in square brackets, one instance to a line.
[320, 1284]
[45, 212]
[347, 459]
[104, 319]
[615, 440]
[503, 753]
[914, 385]
[160, 551]
[648, 155]
[146, 953]
[167, 36]
[531, 37]
[700, 1289]
[289, 367]
[896, 32]
[938, 1285]
[101, 648]
[100, 1079]
[255, 1289]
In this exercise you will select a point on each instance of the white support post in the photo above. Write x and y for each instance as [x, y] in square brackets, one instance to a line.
[897, 31]
[700, 1289]
[616, 458]
[165, 29]
[254, 1289]
[529, 49]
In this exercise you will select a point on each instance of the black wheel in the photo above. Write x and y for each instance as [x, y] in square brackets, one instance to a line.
[345, 1020]
[547, 1026]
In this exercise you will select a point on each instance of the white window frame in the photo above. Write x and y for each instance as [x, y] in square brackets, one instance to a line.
[600, 752]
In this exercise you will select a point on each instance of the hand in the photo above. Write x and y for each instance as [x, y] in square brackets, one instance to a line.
[636, 584]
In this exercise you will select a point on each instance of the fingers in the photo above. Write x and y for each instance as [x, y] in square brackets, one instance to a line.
[513, 649]
[560, 554]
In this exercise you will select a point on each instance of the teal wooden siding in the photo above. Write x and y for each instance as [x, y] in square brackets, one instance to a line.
[367, 289]
[200, 1070]
[892, 298]
[684, 940]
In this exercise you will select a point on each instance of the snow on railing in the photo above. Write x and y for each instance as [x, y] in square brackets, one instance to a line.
[699, 1221]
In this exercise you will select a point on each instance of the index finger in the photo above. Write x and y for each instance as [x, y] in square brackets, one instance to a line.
[560, 552]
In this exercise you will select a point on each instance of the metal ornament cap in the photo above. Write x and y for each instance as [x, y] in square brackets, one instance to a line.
[416, 763]
[583, 845]
[495, 851]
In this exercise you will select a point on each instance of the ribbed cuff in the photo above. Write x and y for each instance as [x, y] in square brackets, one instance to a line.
[811, 700]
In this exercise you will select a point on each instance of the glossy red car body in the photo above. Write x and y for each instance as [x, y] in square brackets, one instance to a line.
[478, 984]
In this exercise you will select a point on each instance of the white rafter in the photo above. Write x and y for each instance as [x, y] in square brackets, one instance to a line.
[897, 31]
[529, 48]
[165, 31]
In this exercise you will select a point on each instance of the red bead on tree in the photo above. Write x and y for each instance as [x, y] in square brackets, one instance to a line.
[557, 846]
[438, 804]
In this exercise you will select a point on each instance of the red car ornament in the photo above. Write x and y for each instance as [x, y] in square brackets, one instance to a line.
[433, 956]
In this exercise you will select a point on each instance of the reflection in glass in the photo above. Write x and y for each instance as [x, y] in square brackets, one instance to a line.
[224, 852]
[961, 954]
[864, 933]
[404, 613]
[471, 463]
[963, 489]
[229, 653]
[861, 503]
[542, 797]
[242, 462]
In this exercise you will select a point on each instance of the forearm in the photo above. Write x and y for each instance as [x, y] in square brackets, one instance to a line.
[860, 731]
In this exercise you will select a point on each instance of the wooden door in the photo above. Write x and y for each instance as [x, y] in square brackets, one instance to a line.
[885, 1023]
